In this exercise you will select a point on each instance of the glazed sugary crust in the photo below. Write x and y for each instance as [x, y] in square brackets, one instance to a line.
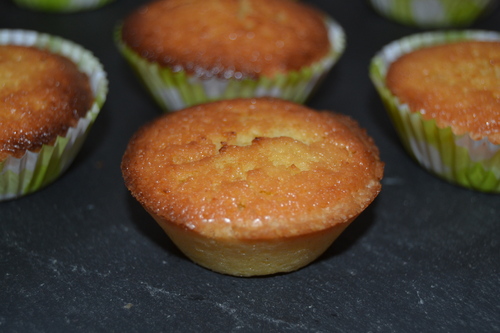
[253, 169]
[240, 38]
[456, 84]
[41, 96]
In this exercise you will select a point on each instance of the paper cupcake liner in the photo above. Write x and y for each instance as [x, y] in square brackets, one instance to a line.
[34, 170]
[459, 159]
[63, 6]
[433, 13]
[174, 90]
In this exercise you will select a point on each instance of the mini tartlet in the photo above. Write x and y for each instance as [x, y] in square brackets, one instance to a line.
[433, 13]
[52, 91]
[253, 186]
[442, 92]
[191, 52]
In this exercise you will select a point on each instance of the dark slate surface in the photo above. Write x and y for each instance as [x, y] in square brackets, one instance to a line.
[82, 256]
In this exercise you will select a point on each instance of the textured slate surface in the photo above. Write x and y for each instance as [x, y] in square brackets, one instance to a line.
[82, 255]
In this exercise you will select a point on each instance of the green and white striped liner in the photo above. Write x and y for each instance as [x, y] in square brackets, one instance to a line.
[62, 6]
[474, 164]
[433, 13]
[34, 170]
[174, 89]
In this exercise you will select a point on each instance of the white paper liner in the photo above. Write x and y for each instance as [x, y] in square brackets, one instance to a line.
[63, 6]
[433, 13]
[28, 172]
[172, 97]
[430, 145]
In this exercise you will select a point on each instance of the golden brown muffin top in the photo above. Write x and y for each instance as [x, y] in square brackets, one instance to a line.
[240, 38]
[253, 168]
[41, 96]
[457, 84]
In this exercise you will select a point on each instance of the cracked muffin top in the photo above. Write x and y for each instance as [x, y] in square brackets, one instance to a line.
[240, 38]
[253, 169]
[41, 96]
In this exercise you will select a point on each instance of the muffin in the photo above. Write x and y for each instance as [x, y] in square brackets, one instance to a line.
[442, 92]
[189, 52]
[61, 6]
[52, 91]
[252, 186]
[433, 13]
